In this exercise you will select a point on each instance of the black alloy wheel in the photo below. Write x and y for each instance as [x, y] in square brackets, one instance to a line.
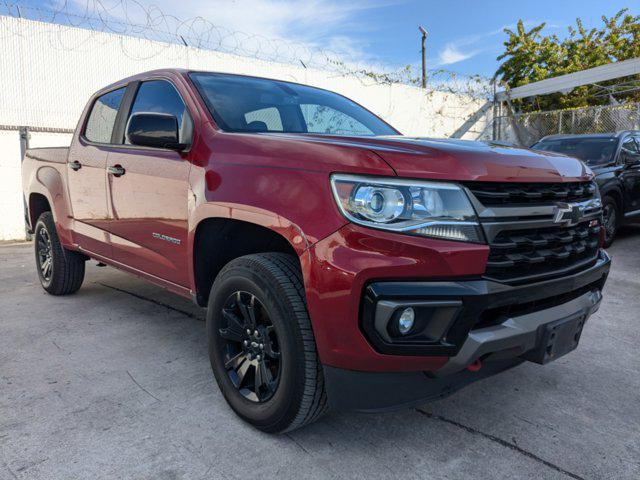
[261, 343]
[610, 220]
[250, 347]
[44, 254]
[60, 271]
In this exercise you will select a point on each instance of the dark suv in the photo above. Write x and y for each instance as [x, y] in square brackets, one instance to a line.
[615, 159]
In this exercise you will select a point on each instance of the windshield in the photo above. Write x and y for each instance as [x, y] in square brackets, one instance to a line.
[592, 151]
[247, 104]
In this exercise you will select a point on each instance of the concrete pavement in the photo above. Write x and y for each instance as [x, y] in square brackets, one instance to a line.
[114, 382]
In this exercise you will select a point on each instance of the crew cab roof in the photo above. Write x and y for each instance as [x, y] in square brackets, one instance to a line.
[145, 75]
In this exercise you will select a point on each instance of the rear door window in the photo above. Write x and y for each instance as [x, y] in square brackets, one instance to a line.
[160, 96]
[103, 116]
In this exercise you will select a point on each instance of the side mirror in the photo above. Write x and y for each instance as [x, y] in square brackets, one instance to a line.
[159, 130]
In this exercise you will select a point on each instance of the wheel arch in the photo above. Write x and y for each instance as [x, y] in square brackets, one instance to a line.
[38, 204]
[616, 195]
[45, 190]
[218, 240]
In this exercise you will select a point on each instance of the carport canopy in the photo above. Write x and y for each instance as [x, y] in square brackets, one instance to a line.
[568, 82]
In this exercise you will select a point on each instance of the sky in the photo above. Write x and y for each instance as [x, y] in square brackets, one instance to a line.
[465, 36]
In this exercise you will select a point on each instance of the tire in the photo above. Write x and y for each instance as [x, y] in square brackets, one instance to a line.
[65, 270]
[272, 294]
[611, 220]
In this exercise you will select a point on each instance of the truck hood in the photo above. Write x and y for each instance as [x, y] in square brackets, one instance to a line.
[461, 160]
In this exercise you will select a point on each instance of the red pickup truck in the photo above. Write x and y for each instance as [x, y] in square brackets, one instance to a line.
[342, 265]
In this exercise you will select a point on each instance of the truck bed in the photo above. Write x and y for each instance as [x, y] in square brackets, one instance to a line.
[51, 154]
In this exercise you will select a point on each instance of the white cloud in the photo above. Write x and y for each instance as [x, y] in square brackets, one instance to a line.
[469, 46]
[453, 54]
[273, 18]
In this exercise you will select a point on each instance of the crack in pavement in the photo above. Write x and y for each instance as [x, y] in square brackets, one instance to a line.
[8, 468]
[162, 304]
[500, 441]
[141, 387]
[290, 437]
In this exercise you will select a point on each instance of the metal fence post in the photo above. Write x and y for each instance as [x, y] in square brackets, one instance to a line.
[24, 146]
[24, 141]
[500, 121]
[560, 121]
[494, 133]
[494, 120]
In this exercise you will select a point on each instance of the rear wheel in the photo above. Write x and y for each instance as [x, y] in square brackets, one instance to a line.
[611, 220]
[61, 271]
[261, 344]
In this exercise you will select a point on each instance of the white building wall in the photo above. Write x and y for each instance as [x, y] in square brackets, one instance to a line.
[11, 209]
[48, 71]
[11, 206]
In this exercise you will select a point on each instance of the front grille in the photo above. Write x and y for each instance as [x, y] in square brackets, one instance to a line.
[497, 193]
[530, 254]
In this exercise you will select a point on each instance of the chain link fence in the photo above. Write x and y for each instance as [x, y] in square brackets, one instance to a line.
[527, 128]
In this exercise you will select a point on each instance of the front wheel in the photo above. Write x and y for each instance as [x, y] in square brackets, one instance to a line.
[61, 271]
[261, 344]
[611, 220]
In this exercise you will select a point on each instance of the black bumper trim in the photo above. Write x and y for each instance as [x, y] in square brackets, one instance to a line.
[477, 296]
[372, 392]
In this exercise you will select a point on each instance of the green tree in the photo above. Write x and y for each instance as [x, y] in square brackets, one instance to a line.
[530, 56]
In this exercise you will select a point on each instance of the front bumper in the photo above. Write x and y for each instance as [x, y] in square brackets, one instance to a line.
[480, 304]
[372, 392]
[517, 335]
[500, 347]
[494, 346]
[351, 262]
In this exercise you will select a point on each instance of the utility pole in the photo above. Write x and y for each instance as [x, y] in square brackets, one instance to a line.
[424, 55]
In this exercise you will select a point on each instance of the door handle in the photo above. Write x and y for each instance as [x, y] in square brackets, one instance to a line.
[75, 165]
[116, 170]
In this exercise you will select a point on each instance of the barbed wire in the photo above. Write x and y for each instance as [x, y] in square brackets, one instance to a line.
[132, 18]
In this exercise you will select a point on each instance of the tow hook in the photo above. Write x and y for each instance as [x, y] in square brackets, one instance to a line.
[475, 366]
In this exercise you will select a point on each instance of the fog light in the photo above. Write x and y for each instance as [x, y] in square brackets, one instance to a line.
[405, 321]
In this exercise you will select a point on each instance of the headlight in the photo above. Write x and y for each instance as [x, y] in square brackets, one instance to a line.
[428, 209]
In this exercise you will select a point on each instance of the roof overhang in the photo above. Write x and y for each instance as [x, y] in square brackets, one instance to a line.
[566, 83]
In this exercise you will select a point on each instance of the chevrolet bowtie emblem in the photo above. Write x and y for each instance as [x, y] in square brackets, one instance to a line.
[568, 213]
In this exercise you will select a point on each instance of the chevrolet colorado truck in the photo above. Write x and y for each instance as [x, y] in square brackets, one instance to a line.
[342, 264]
